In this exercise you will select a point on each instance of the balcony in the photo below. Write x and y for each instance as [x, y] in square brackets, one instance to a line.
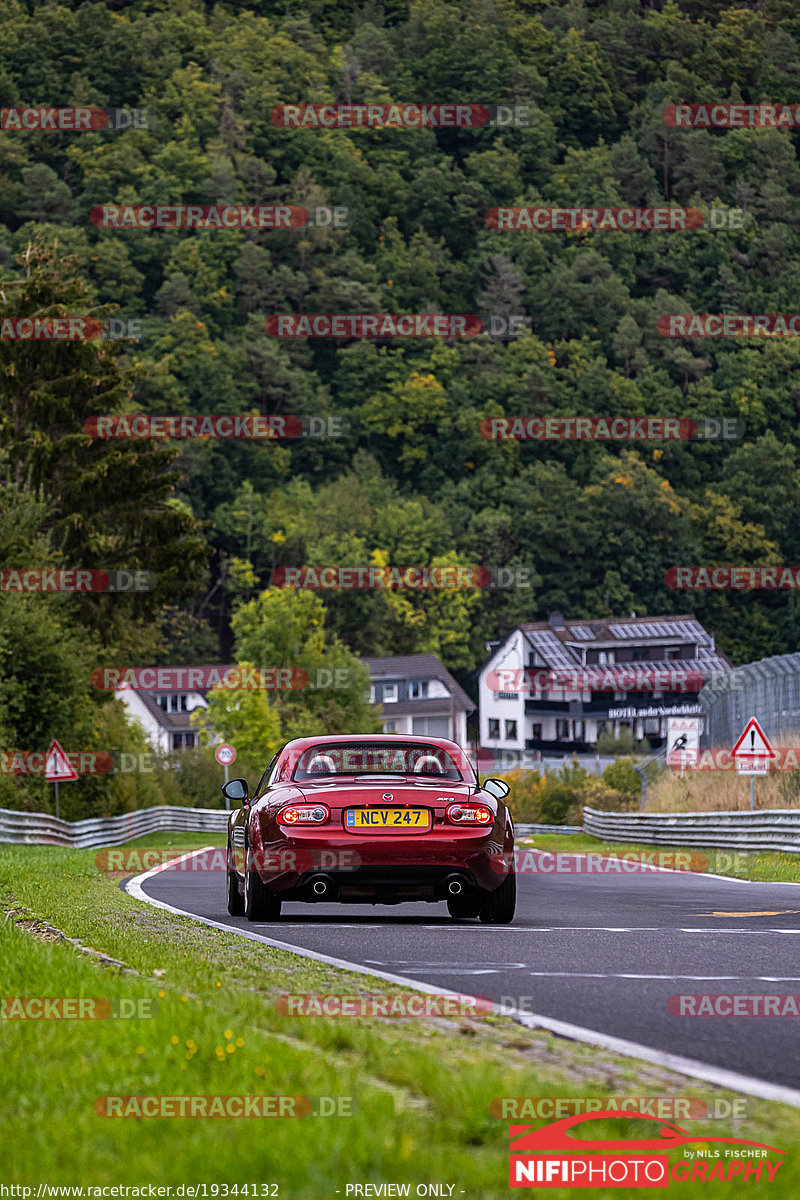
[532, 707]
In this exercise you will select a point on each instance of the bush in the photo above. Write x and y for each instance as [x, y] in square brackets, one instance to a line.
[525, 798]
[556, 800]
[623, 778]
[624, 744]
[595, 793]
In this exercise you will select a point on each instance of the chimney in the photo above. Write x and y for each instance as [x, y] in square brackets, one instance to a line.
[556, 620]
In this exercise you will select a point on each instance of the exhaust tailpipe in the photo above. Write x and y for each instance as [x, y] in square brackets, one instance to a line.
[322, 886]
[455, 887]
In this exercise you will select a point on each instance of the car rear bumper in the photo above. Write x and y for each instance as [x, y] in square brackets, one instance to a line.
[383, 869]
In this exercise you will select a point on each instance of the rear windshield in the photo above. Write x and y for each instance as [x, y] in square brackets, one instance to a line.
[373, 758]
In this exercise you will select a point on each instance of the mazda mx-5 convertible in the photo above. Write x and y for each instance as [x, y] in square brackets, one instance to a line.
[379, 819]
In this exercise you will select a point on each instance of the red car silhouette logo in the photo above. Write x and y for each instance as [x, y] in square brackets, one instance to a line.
[555, 1137]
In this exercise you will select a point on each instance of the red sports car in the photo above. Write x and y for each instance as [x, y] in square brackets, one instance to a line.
[379, 819]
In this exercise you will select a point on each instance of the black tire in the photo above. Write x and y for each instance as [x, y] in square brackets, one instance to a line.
[235, 898]
[260, 904]
[464, 907]
[500, 905]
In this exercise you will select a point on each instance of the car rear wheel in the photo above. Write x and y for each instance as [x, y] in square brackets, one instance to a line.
[463, 907]
[235, 900]
[500, 905]
[260, 904]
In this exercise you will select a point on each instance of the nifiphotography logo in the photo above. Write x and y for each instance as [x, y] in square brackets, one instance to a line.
[550, 1157]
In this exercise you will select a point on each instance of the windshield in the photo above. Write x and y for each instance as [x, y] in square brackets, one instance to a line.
[375, 758]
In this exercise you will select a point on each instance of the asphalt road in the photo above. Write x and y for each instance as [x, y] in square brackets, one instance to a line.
[603, 951]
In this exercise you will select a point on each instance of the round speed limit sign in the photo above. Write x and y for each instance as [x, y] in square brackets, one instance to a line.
[225, 754]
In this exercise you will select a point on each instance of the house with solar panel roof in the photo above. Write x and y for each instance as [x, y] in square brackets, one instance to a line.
[552, 687]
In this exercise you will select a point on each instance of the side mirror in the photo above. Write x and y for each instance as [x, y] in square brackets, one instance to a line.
[496, 787]
[235, 790]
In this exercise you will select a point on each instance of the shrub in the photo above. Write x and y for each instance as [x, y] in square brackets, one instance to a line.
[623, 778]
[556, 799]
[624, 744]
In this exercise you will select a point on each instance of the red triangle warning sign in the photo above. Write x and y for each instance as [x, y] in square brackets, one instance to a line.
[753, 742]
[57, 765]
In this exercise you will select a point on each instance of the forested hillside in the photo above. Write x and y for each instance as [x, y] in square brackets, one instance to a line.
[410, 479]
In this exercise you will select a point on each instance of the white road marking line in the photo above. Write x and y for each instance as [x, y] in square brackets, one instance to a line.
[495, 930]
[633, 975]
[691, 1067]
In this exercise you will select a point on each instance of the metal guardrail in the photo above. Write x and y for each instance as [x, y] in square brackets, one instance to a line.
[44, 829]
[767, 829]
[525, 830]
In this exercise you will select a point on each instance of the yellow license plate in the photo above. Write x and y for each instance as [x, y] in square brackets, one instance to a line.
[387, 818]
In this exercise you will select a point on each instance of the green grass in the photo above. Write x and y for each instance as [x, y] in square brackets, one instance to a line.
[759, 867]
[421, 1089]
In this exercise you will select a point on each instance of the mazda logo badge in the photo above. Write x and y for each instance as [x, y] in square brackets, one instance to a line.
[387, 796]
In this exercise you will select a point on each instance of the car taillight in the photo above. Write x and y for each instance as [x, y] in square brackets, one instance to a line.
[304, 814]
[469, 814]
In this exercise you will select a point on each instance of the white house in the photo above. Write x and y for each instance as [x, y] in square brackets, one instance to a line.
[519, 712]
[166, 716]
[419, 695]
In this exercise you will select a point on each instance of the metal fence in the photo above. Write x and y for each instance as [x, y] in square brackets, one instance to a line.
[768, 690]
[526, 830]
[768, 829]
[43, 829]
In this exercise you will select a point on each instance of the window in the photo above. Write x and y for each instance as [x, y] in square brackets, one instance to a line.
[431, 726]
[389, 693]
[672, 652]
[389, 726]
[372, 693]
[262, 783]
[373, 758]
[536, 731]
[189, 740]
[562, 731]
[494, 728]
[177, 741]
[511, 730]
[418, 689]
[605, 657]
